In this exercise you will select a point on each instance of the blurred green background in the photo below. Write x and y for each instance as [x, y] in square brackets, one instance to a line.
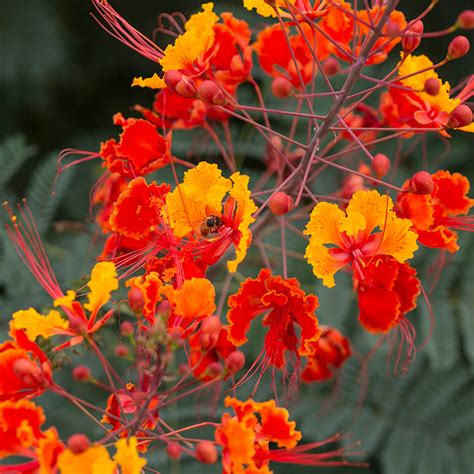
[62, 78]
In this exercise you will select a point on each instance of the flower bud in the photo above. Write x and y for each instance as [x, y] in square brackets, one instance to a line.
[206, 452]
[458, 47]
[331, 66]
[78, 443]
[210, 92]
[81, 373]
[461, 116]
[214, 369]
[432, 86]
[234, 362]
[121, 350]
[180, 84]
[28, 372]
[421, 183]
[392, 29]
[210, 331]
[136, 300]
[280, 203]
[127, 328]
[380, 165]
[466, 20]
[281, 87]
[412, 37]
[173, 450]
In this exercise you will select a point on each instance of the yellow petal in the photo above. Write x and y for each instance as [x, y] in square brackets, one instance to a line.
[127, 456]
[353, 224]
[324, 224]
[398, 240]
[65, 300]
[263, 8]
[245, 208]
[94, 460]
[153, 82]
[103, 282]
[324, 265]
[36, 324]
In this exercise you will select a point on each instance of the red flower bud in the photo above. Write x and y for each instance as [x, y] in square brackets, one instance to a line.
[206, 452]
[466, 20]
[458, 47]
[331, 66]
[281, 87]
[432, 86]
[280, 203]
[412, 37]
[173, 450]
[214, 369]
[234, 362]
[180, 84]
[135, 299]
[461, 116]
[393, 29]
[81, 373]
[421, 183]
[28, 372]
[121, 350]
[380, 165]
[210, 92]
[127, 328]
[210, 330]
[78, 443]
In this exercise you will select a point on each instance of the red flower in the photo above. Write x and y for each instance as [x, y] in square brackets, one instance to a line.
[284, 306]
[331, 350]
[140, 151]
[435, 215]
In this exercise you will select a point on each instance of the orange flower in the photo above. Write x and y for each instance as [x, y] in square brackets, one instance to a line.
[140, 151]
[136, 212]
[25, 371]
[150, 286]
[276, 58]
[284, 306]
[198, 202]
[352, 235]
[435, 215]
[331, 350]
[245, 437]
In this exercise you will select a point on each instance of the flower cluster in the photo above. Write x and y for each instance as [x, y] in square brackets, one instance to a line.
[189, 283]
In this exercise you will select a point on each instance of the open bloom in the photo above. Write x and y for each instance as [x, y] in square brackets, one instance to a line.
[212, 212]
[338, 239]
[435, 215]
[284, 306]
[331, 350]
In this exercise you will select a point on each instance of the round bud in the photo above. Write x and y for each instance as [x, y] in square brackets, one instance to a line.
[121, 350]
[331, 66]
[81, 373]
[206, 452]
[412, 37]
[78, 443]
[136, 300]
[173, 450]
[281, 87]
[210, 331]
[28, 372]
[164, 308]
[458, 47]
[280, 203]
[466, 20]
[432, 86]
[180, 84]
[421, 183]
[392, 29]
[214, 369]
[461, 116]
[234, 362]
[380, 165]
[127, 328]
[210, 92]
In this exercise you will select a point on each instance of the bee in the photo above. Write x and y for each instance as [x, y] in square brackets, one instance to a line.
[211, 225]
